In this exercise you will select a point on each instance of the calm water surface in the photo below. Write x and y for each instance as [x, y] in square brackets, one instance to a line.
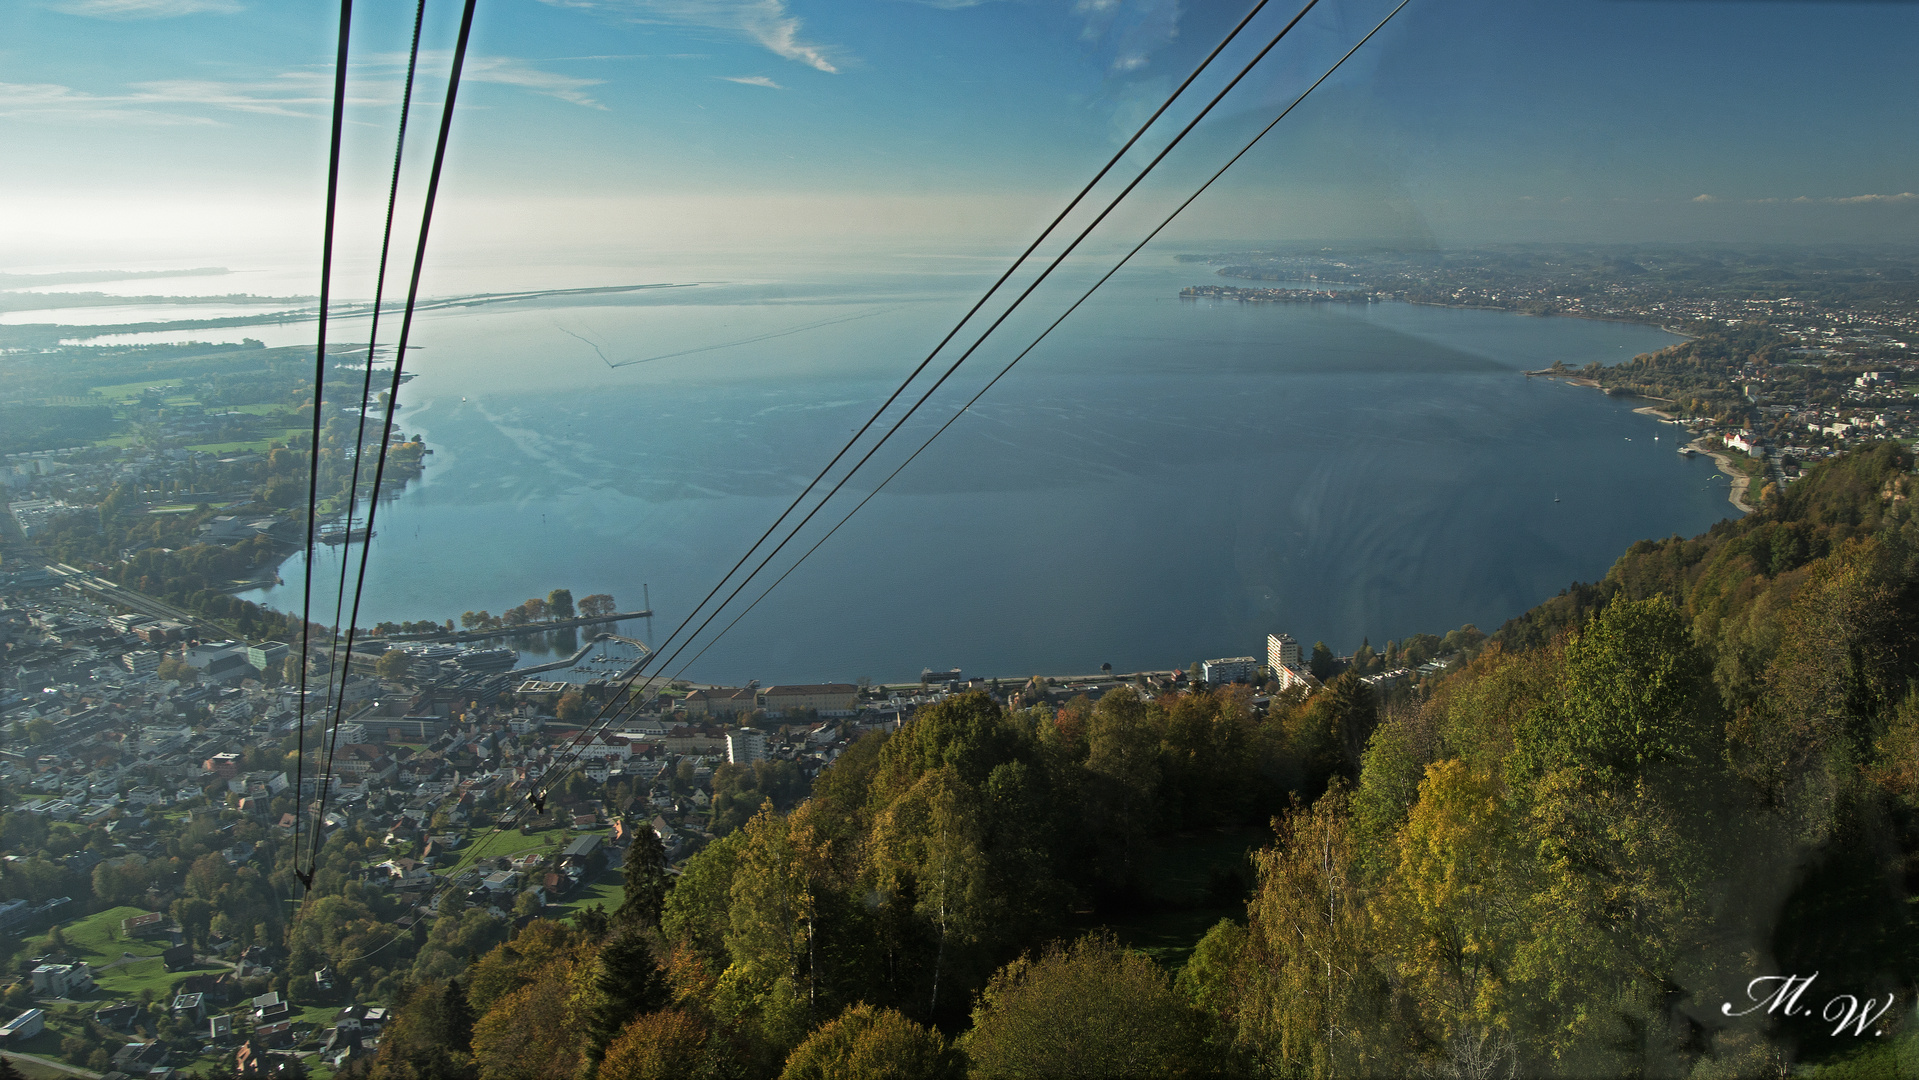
[1164, 481]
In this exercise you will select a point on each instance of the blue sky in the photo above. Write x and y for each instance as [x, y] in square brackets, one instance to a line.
[1465, 120]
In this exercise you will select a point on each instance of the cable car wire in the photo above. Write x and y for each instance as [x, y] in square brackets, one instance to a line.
[319, 385]
[923, 364]
[479, 847]
[1128, 257]
[1057, 260]
[335, 703]
[399, 363]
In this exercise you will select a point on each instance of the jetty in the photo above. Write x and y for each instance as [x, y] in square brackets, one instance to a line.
[460, 636]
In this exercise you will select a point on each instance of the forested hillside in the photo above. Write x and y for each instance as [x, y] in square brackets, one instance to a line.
[1570, 858]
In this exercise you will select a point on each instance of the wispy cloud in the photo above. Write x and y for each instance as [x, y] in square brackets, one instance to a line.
[753, 80]
[292, 93]
[298, 94]
[767, 23]
[510, 72]
[281, 96]
[1705, 198]
[1130, 30]
[1844, 200]
[1904, 196]
[144, 9]
[50, 101]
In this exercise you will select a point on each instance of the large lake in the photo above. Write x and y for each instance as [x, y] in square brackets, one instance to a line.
[1164, 481]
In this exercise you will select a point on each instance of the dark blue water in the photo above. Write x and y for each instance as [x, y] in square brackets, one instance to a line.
[1164, 481]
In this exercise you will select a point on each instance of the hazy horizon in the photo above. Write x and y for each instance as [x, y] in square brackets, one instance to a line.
[667, 132]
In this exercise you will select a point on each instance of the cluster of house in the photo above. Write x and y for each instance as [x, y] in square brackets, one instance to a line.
[260, 1031]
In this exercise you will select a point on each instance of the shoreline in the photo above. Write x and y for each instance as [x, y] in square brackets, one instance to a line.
[1723, 458]
[1682, 335]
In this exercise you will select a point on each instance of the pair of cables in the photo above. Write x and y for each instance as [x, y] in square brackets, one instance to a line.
[334, 703]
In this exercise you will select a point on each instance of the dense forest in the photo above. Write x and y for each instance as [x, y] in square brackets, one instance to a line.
[1571, 857]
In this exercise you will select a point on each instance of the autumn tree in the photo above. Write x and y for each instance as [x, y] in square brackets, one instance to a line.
[429, 1037]
[665, 1045]
[865, 1043]
[1310, 1001]
[1453, 912]
[393, 665]
[1085, 1009]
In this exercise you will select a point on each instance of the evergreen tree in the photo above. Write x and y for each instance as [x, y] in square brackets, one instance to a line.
[646, 880]
[628, 982]
[1322, 663]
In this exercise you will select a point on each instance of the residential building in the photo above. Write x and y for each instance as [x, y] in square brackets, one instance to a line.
[231, 707]
[1229, 669]
[1387, 680]
[407, 729]
[141, 661]
[23, 1027]
[150, 924]
[826, 699]
[1291, 677]
[720, 701]
[745, 746]
[364, 761]
[220, 661]
[1283, 652]
[140, 1059]
[605, 748]
[62, 980]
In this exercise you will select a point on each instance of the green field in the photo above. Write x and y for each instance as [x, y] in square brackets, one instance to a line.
[608, 891]
[97, 937]
[254, 446]
[506, 842]
[98, 941]
[132, 391]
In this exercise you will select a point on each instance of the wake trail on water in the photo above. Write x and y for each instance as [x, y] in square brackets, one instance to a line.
[788, 332]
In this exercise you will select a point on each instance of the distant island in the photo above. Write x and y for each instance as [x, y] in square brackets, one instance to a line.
[1277, 296]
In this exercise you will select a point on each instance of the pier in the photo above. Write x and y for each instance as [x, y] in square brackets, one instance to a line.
[632, 669]
[572, 661]
[559, 665]
[457, 637]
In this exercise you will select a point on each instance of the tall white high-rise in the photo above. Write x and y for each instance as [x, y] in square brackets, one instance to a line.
[745, 746]
[1281, 651]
